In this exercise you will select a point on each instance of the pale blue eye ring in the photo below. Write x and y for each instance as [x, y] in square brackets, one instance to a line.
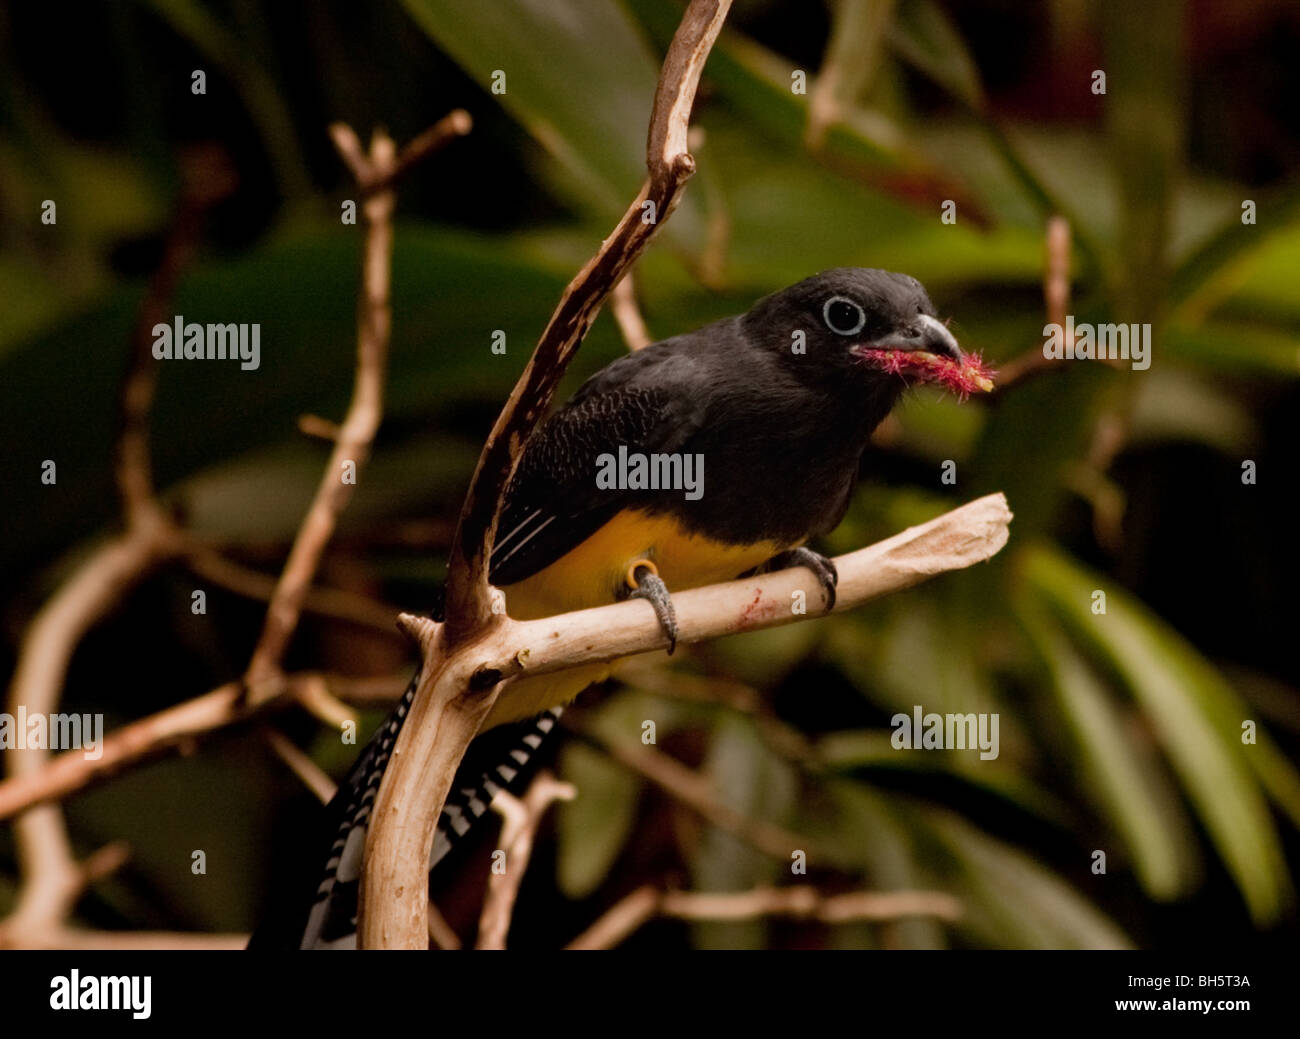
[843, 316]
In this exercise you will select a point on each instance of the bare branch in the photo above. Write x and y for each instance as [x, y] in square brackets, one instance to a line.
[800, 903]
[352, 444]
[625, 917]
[627, 314]
[1056, 302]
[698, 794]
[52, 880]
[849, 66]
[440, 932]
[302, 766]
[333, 603]
[206, 178]
[454, 124]
[967, 535]
[670, 119]
[75, 938]
[522, 817]
[315, 426]
[375, 175]
[314, 696]
[450, 701]
[142, 740]
[1056, 271]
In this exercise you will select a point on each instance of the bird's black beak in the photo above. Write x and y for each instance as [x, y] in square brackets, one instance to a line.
[924, 335]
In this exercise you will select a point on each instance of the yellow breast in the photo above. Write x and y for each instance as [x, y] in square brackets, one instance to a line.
[591, 575]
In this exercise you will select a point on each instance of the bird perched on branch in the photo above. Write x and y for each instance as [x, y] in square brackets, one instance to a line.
[694, 460]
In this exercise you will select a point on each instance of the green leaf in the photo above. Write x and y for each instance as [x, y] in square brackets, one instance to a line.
[855, 824]
[263, 495]
[450, 291]
[850, 64]
[1145, 114]
[1232, 258]
[925, 37]
[1195, 716]
[1234, 346]
[1033, 469]
[871, 749]
[33, 303]
[592, 828]
[195, 23]
[1012, 900]
[1175, 404]
[578, 76]
[755, 83]
[752, 780]
[1117, 776]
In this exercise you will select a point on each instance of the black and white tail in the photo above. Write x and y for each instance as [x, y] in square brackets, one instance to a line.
[496, 761]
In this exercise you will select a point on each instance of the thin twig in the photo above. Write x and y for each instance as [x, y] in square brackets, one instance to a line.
[356, 432]
[785, 739]
[312, 775]
[456, 123]
[522, 817]
[206, 178]
[848, 67]
[801, 903]
[372, 177]
[698, 794]
[315, 426]
[375, 175]
[51, 879]
[1056, 304]
[623, 305]
[440, 932]
[314, 696]
[75, 938]
[142, 740]
[333, 603]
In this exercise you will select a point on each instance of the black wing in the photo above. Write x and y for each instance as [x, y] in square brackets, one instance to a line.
[649, 401]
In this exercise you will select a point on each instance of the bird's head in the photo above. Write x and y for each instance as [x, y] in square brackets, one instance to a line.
[857, 324]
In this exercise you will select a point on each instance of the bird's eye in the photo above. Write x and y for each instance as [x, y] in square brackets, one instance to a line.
[843, 316]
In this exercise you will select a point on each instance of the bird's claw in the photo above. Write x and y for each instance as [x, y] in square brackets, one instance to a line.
[644, 582]
[824, 570]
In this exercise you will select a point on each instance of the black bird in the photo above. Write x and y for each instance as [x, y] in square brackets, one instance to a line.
[694, 460]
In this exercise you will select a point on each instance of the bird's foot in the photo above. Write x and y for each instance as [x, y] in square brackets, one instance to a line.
[827, 576]
[644, 582]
